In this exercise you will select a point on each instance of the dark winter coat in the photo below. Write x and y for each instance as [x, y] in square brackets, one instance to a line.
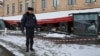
[28, 21]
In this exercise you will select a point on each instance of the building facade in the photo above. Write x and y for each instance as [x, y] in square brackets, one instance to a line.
[18, 7]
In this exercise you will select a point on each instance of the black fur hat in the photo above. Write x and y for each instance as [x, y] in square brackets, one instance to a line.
[30, 8]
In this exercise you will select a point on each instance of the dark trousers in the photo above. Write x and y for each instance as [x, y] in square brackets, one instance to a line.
[29, 37]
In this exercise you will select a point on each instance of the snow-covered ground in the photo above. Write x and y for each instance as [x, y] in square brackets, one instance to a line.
[46, 48]
[14, 31]
[13, 50]
[55, 35]
[52, 35]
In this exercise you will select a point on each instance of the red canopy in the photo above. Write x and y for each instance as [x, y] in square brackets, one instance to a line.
[46, 21]
[56, 20]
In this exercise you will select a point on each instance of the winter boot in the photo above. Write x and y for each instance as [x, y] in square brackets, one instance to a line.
[31, 47]
[27, 49]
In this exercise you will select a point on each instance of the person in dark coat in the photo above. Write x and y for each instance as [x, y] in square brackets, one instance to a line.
[29, 22]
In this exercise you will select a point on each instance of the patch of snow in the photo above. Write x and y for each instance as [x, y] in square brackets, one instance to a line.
[42, 34]
[55, 35]
[68, 36]
[14, 32]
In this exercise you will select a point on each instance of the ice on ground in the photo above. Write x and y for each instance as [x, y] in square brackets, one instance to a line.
[46, 48]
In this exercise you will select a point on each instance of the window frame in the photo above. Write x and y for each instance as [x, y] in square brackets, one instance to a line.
[90, 1]
[56, 3]
[26, 4]
[8, 9]
[71, 2]
[33, 1]
[20, 6]
[13, 8]
[44, 3]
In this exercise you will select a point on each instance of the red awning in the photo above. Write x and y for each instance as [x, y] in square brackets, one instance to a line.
[46, 21]
[56, 20]
[12, 22]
